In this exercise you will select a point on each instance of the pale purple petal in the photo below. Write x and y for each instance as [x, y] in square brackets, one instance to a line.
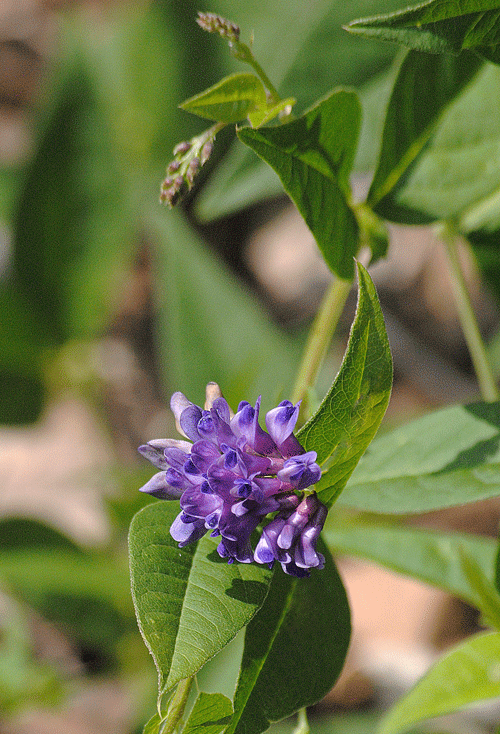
[160, 488]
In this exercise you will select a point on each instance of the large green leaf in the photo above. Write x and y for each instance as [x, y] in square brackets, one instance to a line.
[466, 674]
[353, 408]
[456, 174]
[189, 603]
[424, 87]
[313, 157]
[432, 557]
[449, 457]
[210, 714]
[210, 326]
[437, 26]
[294, 648]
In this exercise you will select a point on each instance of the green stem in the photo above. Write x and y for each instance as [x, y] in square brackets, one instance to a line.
[243, 53]
[320, 337]
[302, 723]
[177, 706]
[477, 349]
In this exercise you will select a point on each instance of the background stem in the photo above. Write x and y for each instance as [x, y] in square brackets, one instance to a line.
[470, 327]
[320, 336]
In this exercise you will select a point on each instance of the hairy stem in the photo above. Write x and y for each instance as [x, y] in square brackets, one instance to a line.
[320, 337]
[177, 706]
[470, 327]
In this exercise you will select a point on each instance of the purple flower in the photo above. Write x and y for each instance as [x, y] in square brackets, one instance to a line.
[232, 474]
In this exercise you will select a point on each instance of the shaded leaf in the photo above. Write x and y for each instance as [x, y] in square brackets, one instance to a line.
[466, 674]
[424, 87]
[313, 157]
[449, 457]
[232, 99]
[294, 648]
[353, 408]
[189, 602]
[211, 714]
[437, 26]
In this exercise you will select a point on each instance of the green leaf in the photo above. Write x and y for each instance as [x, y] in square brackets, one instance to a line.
[211, 714]
[465, 675]
[294, 648]
[484, 587]
[232, 99]
[313, 157]
[353, 408]
[424, 87]
[429, 556]
[199, 335]
[437, 26]
[189, 603]
[443, 181]
[447, 458]
[262, 117]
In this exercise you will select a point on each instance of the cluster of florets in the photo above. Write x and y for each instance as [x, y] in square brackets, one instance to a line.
[214, 23]
[189, 157]
[235, 475]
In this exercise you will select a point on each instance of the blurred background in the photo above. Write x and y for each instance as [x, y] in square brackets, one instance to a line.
[110, 302]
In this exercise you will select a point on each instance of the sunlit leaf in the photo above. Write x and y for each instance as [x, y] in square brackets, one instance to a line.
[231, 100]
[189, 603]
[466, 674]
[353, 408]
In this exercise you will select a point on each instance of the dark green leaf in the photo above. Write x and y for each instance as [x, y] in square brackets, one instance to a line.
[189, 603]
[211, 714]
[353, 408]
[466, 674]
[424, 87]
[437, 26]
[449, 457]
[294, 648]
[313, 157]
[232, 99]
[429, 556]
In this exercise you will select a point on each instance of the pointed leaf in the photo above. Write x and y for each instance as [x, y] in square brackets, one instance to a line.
[353, 408]
[211, 714]
[232, 99]
[189, 603]
[437, 26]
[447, 458]
[313, 157]
[429, 556]
[294, 648]
[424, 87]
[465, 675]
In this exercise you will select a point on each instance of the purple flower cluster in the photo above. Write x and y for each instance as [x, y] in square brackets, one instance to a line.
[234, 475]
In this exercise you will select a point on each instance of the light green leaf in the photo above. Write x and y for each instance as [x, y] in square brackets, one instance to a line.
[313, 157]
[443, 181]
[424, 87]
[353, 408]
[437, 26]
[189, 603]
[449, 457]
[432, 557]
[262, 117]
[210, 326]
[232, 99]
[294, 648]
[468, 673]
[211, 714]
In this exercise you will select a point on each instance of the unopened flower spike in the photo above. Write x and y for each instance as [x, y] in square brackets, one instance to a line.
[231, 476]
[189, 157]
[214, 23]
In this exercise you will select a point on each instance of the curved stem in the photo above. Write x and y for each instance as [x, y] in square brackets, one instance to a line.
[470, 327]
[177, 706]
[320, 337]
